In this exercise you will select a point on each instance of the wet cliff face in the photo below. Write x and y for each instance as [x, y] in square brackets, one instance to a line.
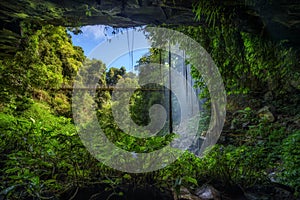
[276, 19]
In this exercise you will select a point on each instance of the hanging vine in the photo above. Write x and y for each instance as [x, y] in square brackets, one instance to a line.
[247, 62]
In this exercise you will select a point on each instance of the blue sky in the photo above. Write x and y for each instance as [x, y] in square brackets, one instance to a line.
[113, 49]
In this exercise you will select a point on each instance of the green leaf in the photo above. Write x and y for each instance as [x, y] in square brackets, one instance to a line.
[127, 176]
[190, 180]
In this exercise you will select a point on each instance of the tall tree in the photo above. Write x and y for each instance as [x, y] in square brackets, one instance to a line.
[47, 61]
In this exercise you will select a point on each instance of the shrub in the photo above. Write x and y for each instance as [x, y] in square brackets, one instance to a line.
[234, 166]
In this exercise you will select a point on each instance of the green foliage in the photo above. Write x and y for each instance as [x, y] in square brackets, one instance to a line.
[114, 74]
[92, 72]
[291, 161]
[47, 60]
[183, 172]
[9, 42]
[61, 104]
[270, 138]
[209, 10]
[270, 63]
[41, 155]
[128, 142]
[234, 166]
[279, 151]
[243, 119]
[247, 62]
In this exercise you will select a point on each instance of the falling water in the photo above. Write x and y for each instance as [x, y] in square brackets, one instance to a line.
[178, 62]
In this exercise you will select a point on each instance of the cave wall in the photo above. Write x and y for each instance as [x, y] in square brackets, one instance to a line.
[279, 20]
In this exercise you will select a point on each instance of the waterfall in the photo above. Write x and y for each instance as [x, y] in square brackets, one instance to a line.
[178, 62]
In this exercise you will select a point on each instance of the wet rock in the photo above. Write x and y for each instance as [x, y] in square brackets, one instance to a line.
[274, 191]
[265, 114]
[185, 194]
[253, 196]
[273, 177]
[208, 192]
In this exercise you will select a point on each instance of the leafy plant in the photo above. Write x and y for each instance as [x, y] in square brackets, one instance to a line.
[291, 161]
[234, 166]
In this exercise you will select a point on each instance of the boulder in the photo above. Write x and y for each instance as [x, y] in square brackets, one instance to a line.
[265, 114]
[272, 191]
[208, 192]
[185, 194]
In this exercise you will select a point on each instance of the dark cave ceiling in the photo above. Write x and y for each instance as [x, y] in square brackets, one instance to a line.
[278, 20]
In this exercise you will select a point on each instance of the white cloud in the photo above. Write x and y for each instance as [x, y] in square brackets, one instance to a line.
[96, 32]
